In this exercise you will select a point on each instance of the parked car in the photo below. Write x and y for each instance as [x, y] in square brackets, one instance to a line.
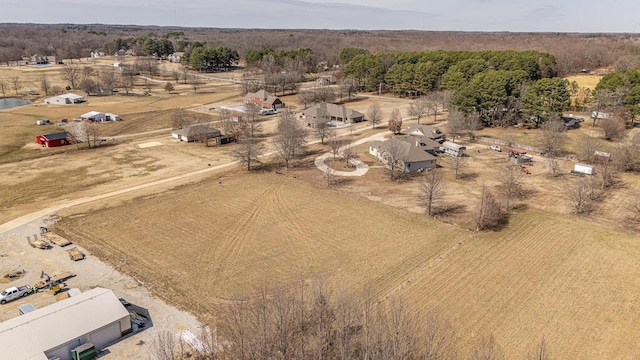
[495, 148]
[14, 293]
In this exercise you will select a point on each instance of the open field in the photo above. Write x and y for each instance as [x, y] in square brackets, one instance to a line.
[204, 239]
[545, 274]
[585, 80]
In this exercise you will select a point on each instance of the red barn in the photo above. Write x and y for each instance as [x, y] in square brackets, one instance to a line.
[53, 140]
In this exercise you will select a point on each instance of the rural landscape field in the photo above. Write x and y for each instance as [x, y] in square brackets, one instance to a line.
[520, 259]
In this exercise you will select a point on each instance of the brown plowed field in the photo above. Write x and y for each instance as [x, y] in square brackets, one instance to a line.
[544, 275]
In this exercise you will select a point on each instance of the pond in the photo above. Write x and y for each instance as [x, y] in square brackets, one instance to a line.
[11, 102]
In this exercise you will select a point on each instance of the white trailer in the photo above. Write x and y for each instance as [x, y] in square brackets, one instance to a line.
[584, 169]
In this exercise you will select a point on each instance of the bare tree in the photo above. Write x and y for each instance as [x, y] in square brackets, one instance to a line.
[322, 127]
[126, 83]
[579, 196]
[71, 73]
[231, 128]
[436, 99]
[488, 214]
[392, 157]
[587, 146]
[251, 119]
[329, 175]
[555, 166]
[458, 163]
[175, 75]
[510, 183]
[165, 346]
[181, 118]
[553, 137]
[374, 113]
[541, 352]
[455, 124]
[45, 85]
[633, 208]
[108, 81]
[335, 143]
[472, 123]
[3, 88]
[184, 72]
[395, 121]
[487, 349]
[432, 189]
[248, 150]
[305, 97]
[614, 128]
[195, 81]
[17, 84]
[418, 108]
[348, 152]
[290, 139]
[347, 86]
[627, 154]
[438, 338]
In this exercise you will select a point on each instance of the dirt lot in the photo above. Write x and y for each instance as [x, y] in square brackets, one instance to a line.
[91, 272]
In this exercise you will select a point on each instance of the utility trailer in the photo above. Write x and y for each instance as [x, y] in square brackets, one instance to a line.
[56, 239]
[75, 254]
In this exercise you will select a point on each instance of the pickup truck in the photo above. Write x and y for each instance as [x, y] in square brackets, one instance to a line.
[13, 293]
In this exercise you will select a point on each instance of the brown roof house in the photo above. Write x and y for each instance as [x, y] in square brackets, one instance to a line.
[429, 131]
[196, 133]
[413, 158]
[264, 100]
[326, 112]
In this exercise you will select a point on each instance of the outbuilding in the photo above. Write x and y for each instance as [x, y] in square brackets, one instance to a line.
[96, 317]
[453, 149]
[54, 140]
[94, 116]
[65, 99]
[584, 169]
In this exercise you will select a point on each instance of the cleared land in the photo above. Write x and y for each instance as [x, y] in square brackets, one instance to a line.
[545, 274]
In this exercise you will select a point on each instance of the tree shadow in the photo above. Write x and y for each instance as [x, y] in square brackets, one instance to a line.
[449, 209]
[468, 176]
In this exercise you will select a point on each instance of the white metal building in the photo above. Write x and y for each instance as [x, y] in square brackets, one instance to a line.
[64, 99]
[96, 316]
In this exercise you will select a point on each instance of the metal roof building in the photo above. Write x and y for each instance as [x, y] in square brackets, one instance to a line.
[65, 99]
[96, 316]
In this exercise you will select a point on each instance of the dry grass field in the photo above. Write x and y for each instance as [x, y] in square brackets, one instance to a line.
[545, 274]
[585, 80]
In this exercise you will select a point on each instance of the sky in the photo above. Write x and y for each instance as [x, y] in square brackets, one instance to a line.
[437, 15]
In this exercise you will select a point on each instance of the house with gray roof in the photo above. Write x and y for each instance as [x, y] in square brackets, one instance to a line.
[413, 158]
[326, 112]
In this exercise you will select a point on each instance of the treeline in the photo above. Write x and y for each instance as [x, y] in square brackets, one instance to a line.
[619, 89]
[573, 52]
[313, 321]
[414, 73]
[204, 58]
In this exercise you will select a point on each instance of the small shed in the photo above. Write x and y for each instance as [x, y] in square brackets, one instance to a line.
[453, 149]
[584, 169]
[54, 140]
[601, 156]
